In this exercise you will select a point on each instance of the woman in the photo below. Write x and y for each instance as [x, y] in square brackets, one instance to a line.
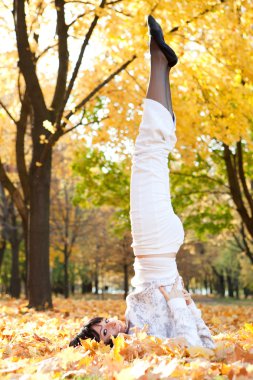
[159, 300]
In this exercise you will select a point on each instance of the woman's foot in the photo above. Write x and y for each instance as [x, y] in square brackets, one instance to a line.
[157, 42]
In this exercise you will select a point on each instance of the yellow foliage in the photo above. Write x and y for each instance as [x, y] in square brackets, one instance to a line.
[35, 344]
[211, 85]
[48, 125]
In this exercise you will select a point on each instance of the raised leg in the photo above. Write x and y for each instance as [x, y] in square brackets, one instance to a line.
[159, 85]
[156, 229]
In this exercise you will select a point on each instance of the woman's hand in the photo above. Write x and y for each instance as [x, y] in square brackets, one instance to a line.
[174, 293]
[187, 297]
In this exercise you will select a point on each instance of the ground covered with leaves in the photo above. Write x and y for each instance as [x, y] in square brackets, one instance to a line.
[34, 345]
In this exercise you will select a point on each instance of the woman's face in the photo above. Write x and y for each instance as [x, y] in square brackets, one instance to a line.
[108, 327]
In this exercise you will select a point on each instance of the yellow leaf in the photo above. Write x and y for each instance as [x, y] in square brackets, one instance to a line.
[248, 327]
[118, 344]
[49, 126]
[198, 351]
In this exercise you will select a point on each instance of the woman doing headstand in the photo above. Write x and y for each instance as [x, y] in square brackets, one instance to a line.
[159, 299]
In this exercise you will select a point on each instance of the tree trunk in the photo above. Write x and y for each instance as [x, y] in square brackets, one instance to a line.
[220, 282]
[39, 286]
[230, 286]
[96, 283]
[221, 285]
[238, 185]
[86, 287]
[4, 218]
[236, 286]
[15, 285]
[2, 250]
[96, 276]
[66, 273]
[37, 191]
[25, 274]
[246, 292]
[126, 286]
[206, 284]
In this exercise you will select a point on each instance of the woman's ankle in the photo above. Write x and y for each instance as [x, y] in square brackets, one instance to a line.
[156, 54]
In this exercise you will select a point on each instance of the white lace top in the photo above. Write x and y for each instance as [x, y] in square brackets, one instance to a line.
[167, 319]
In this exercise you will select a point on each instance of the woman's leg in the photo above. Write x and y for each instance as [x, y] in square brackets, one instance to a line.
[156, 229]
[159, 85]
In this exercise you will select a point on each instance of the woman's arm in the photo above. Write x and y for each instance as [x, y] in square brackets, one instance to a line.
[184, 322]
[203, 330]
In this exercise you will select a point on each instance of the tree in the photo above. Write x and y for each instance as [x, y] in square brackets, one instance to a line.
[98, 245]
[240, 183]
[67, 220]
[4, 217]
[246, 275]
[11, 233]
[66, 226]
[220, 102]
[126, 259]
[103, 181]
[48, 124]
[205, 184]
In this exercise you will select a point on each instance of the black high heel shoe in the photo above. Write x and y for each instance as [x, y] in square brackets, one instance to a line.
[156, 32]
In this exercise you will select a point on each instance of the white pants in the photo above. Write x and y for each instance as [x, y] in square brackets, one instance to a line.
[156, 229]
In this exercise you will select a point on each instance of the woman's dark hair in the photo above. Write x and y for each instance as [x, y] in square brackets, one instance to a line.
[88, 332]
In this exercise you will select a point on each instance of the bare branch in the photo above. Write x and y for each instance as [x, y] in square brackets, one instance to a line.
[213, 7]
[249, 253]
[235, 189]
[45, 51]
[20, 147]
[114, 2]
[242, 176]
[8, 112]
[238, 242]
[79, 61]
[135, 80]
[96, 89]
[26, 63]
[85, 125]
[19, 86]
[14, 193]
[78, 17]
[60, 131]
[122, 13]
[63, 57]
